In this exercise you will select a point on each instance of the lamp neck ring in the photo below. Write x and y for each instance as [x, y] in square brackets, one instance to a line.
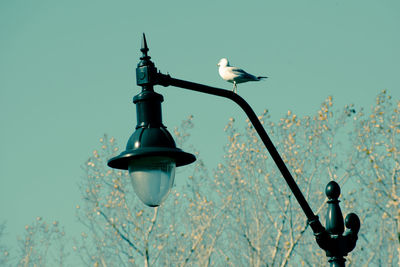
[148, 109]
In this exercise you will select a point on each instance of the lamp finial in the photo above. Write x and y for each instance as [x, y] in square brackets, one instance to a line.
[144, 48]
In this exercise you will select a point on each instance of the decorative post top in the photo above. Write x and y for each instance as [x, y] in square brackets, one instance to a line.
[334, 219]
[332, 191]
[335, 241]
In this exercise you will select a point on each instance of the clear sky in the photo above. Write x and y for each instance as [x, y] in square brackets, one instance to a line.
[67, 77]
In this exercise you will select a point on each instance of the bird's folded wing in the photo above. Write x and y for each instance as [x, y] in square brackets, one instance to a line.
[238, 71]
[242, 75]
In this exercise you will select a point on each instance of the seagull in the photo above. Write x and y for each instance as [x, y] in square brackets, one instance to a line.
[235, 75]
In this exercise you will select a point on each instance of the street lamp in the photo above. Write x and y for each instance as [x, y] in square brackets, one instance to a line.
[151, 157]
[151, 154]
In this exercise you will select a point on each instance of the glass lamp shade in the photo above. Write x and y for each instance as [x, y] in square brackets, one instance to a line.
[152, 178]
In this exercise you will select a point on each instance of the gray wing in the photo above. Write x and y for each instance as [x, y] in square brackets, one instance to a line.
[242, 73]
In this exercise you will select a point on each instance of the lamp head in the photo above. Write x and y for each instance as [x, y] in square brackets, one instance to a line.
[151, 155]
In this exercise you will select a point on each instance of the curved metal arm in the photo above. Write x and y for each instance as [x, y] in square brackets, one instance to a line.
[166, 80]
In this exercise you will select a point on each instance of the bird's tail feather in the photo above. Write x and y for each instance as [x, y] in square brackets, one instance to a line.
[261, 77]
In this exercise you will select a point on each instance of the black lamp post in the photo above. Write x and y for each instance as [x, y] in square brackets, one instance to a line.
[151, 154]
[151, 157]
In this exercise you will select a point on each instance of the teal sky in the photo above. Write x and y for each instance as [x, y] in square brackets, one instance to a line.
[67, 77]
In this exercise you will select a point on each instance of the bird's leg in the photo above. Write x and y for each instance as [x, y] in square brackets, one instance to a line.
[234, 87]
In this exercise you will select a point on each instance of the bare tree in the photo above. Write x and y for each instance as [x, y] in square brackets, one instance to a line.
[43, 244]
[244, 214]
[360, 150]
[376, 145]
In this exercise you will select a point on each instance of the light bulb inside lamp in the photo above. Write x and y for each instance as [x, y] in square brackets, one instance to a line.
[152, 178]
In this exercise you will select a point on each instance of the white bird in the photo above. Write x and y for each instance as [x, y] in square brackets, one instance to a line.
[235, 75]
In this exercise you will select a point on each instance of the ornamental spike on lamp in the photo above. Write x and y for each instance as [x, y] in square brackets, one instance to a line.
[151, 154]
